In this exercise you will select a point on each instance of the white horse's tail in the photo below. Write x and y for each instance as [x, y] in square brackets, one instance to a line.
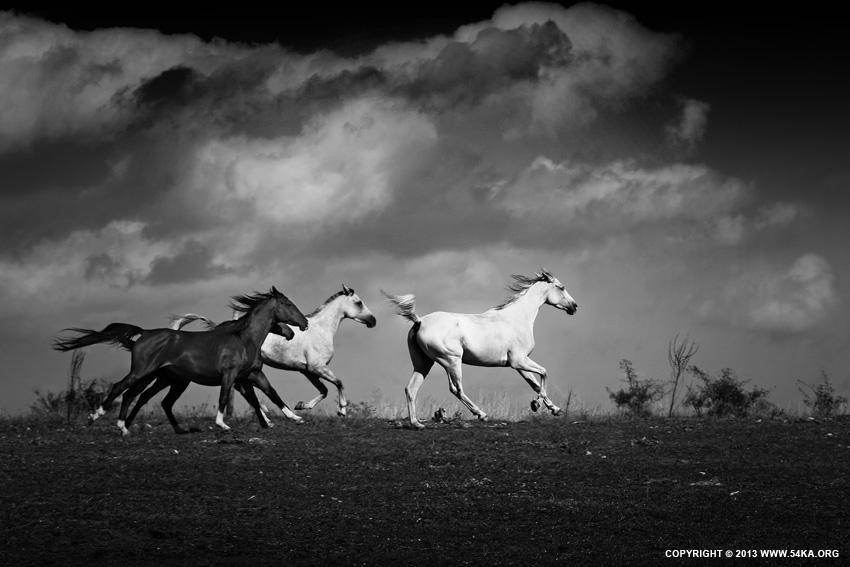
[180, 321]
[404, 305]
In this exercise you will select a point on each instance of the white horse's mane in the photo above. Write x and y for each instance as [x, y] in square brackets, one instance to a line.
[521, 284]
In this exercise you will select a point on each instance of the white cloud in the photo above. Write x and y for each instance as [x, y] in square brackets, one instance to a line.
[620, 193]
[64, 270]
[776, 215]
[769, 298]
[340, 169]
[734, 229]
[613, 50]
[691, 126]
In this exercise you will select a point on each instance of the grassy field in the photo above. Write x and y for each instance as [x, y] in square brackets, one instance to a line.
[365, 491]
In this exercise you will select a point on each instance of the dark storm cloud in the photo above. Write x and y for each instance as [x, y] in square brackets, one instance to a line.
[466, 73]
[193, 263]
[173, 85]
[101, 267]
[347, 83]
[48, 165]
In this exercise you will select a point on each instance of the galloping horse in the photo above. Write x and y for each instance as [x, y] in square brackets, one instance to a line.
[166, 376]
[215, 357]
[308, 352]
[502, 336]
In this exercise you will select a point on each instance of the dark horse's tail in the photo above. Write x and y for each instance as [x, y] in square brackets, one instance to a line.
[116, 334]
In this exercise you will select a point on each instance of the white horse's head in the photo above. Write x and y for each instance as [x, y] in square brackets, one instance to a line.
[557, 295]
[355, 308]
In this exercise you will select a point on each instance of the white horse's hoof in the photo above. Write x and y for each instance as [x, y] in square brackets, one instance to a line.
[484, 417]
[416, 425]
[301, 406]
[535, 405]
[557, 412]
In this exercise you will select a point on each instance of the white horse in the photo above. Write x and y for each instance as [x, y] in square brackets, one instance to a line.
[502, 336]
[310, 351]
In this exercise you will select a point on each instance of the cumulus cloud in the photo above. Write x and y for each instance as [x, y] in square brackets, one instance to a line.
[619, 195]
[58, 82]
[779, 300]
[732, 229]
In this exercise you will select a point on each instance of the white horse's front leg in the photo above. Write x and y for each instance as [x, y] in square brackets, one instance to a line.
[527, 369]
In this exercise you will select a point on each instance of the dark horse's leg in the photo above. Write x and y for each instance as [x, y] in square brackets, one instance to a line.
[258, 379]
[247, 390]
[147, 356]
[165, 378]
[228, 378]
[127, 399]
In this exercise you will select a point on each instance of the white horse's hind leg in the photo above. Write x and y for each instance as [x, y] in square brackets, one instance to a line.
[323, 391]
[422, 364]
[453, 369]
[410, 392]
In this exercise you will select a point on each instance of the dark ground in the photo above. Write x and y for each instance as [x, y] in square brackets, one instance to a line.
[363, 492]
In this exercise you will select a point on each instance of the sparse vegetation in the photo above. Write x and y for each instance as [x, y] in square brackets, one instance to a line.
[822, 398]
[679, 356]
[638, 395]
[725, 395]
[71, 403]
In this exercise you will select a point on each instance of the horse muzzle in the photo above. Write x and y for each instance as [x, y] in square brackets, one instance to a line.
[369, 321]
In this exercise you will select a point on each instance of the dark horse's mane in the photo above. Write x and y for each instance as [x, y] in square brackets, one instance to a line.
[245, 304]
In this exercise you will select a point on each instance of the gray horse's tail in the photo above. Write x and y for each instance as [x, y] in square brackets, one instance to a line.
[404, 306]
[180, 321]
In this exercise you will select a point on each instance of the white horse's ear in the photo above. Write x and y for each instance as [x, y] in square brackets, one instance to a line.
[545, 275]
[347, 290]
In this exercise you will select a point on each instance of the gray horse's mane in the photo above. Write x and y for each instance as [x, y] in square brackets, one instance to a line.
[345, 291]
[521, 284]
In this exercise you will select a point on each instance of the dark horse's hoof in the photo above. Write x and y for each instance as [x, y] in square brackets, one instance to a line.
[535, 405]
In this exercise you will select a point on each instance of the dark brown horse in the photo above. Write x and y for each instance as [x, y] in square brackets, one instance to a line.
[217, 357]
[166, 377]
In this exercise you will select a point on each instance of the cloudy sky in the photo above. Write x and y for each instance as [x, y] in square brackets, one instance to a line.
[681, 172]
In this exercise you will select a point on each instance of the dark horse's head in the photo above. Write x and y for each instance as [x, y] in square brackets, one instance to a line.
[285, 312]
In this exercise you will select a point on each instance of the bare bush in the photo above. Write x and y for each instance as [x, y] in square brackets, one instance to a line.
[679, 356]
